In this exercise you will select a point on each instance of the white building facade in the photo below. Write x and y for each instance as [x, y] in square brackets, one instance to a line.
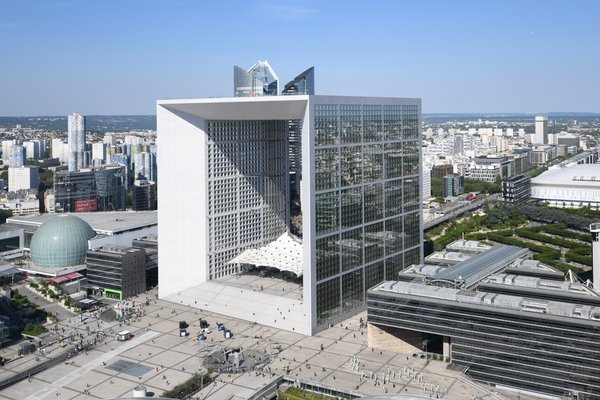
[572, 187]
[360, 192]
[23, 178]
[541, 129]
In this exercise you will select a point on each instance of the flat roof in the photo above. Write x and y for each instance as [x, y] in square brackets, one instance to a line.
[103, 223]
[473, 270]
[579, 175]
[10, 228]
[267, 107]
[492, 300]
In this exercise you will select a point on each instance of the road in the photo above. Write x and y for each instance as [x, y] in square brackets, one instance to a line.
[459, 211]
[52, 307]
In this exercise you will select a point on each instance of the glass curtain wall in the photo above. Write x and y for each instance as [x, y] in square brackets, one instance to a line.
[367, 200]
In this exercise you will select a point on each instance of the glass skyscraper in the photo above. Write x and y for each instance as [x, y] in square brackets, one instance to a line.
[259, 80]
[302, 84]
[359, 196]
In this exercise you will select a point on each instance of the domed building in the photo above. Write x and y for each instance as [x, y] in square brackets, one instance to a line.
[61, 242]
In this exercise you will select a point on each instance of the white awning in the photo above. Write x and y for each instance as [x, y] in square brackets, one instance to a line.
[285, 254]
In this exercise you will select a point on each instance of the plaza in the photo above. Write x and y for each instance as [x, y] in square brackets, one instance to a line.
[158, 358]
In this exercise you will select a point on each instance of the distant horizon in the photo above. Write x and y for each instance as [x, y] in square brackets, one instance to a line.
[492, 113]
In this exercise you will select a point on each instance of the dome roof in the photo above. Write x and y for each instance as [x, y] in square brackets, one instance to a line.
[61, 242]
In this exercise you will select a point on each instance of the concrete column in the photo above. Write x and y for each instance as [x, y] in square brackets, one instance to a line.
[447, 347]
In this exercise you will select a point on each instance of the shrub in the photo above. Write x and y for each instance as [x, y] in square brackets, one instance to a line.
[189, 387]
[34, 330]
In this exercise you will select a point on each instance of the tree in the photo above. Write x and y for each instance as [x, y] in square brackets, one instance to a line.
[4, 215]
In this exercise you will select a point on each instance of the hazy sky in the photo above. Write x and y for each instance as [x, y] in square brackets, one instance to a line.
[118, 57]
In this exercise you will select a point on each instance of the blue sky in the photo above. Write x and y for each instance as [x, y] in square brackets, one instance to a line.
[118, 57]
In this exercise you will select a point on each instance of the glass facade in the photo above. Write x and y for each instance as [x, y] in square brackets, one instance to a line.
[367, 208]
[259, 80]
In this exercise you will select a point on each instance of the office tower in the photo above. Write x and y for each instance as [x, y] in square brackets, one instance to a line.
[98, 189]
[453, 185]
[302, 84]
[76, 140]
[145, 166]
[259, 80]
[117, 271]
[23, 178]
[541, 129]
[516, 189]
[360, 195]
[144, 195]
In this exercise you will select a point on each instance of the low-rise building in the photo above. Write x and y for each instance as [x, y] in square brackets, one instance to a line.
[506, 319]
[117, 271]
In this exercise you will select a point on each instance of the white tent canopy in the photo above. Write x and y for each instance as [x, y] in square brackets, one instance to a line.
[285, 254]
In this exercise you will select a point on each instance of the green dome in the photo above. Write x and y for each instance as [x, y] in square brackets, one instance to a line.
[61, 242]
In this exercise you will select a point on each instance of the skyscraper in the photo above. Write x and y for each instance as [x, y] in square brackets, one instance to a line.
[541, 129]
[259, 80]
[97, 189]
[360, 193]
[302, 84]
[16, 156]
[76, 140]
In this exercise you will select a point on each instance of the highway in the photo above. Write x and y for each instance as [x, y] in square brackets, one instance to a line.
[461, 210]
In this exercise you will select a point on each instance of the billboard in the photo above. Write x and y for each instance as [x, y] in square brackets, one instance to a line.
[86, 205]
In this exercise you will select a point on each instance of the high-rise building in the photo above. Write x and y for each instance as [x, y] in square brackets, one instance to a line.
[259, 80]
[144, 195]
[16, 156]
[426, 183]
[302, 84]
[453, 185]
[360, 195]
[541, 129]
[76, 138]
[517, 189]
[99, 152]
[32, 149]
[91, 189]
[60, 150]
[23, 178]
[145, 166]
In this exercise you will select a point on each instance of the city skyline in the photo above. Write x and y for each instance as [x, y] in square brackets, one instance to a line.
[117, 59]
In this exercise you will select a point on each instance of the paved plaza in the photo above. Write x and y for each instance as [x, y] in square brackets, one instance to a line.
[337, 357]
